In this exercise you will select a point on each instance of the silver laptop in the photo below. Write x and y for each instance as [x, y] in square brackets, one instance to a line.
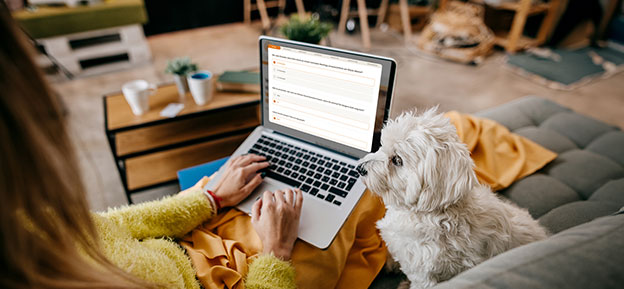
[322, 110]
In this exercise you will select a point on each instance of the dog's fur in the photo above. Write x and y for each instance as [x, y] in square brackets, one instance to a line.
[439, 221]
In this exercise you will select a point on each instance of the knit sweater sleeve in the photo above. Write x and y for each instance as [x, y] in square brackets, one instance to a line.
[171, 216]
[267, 271]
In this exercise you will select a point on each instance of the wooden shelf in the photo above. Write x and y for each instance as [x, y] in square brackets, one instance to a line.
[152, 137]
[161, 167]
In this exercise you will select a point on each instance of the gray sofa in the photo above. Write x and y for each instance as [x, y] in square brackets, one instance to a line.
[579, 197]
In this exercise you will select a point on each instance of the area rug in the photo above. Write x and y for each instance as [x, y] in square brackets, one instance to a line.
[567, 69]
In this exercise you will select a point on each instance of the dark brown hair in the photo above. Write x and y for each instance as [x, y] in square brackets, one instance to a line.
[47, 236]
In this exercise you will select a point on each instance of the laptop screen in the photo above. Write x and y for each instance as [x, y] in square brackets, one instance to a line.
[333, 98]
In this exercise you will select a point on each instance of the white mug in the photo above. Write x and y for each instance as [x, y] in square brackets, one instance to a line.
[200, 85]
[137, 94]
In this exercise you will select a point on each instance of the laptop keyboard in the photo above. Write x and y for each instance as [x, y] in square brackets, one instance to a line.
[316, 174]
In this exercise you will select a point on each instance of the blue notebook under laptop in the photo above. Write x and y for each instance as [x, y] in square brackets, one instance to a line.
[190, 176]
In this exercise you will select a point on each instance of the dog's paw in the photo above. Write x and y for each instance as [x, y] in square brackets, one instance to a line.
[405, 284]
[392, 266]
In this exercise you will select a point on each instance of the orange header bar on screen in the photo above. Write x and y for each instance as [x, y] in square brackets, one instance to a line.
[274, 46]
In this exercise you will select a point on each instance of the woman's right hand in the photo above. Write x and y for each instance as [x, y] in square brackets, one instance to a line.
[275, 217]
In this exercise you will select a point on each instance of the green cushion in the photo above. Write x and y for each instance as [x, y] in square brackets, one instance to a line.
[55, 21]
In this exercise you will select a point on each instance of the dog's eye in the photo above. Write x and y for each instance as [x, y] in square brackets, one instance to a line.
[397, 161]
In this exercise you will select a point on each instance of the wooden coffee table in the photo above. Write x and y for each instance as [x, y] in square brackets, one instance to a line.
[150, 149]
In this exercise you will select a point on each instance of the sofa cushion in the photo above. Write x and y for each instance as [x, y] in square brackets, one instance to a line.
[612, 192]
[547, 138]
[586, 256]
[591, 154]
[609, 145]
[527, 111]
[584, 171]
[576, 213]
[540, 193]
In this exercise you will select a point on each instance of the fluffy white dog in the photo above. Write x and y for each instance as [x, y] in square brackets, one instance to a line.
[439, 221]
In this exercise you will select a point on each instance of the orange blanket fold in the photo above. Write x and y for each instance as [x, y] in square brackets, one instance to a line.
[352, 261]
[500, 157]
[221, 248]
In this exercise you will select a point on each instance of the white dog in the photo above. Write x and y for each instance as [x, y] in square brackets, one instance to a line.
[439, 221]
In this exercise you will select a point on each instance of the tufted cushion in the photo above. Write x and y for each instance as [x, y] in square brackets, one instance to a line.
[540, 193]
[610, 145]
[585, 256]
[591, 156]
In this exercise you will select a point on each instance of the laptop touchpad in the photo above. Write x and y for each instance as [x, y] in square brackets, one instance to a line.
[267, 185]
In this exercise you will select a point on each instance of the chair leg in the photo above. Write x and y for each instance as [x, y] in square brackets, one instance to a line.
[344, 15]
[548, 22]
[405, 20]
[264, 16]
[247, 11]
[606, 19]
[300, 8]
[518, 26]
[364, 23]
[381, 14]
[442, 4]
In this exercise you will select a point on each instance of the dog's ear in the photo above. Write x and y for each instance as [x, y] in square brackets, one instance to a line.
[446, 178]
[422, 189]
[445, 167]
[459, 176]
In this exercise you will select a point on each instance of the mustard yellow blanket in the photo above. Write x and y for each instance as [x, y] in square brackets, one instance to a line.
[500, 157]
[221, 248]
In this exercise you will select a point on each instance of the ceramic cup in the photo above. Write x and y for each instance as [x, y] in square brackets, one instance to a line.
[200, 85]
[137, 94]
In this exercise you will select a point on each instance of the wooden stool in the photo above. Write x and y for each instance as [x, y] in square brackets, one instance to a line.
[262, 5]
[513, 40]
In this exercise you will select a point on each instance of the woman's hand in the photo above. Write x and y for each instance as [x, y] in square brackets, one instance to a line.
[275, 217]
[240, 178]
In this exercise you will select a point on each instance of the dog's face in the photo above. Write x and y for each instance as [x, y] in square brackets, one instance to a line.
[421, 165]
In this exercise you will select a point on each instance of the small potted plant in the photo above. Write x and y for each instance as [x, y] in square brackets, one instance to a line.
[310, 29]
[180, 68]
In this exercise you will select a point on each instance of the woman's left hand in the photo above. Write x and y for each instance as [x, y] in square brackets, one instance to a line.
[239, 179]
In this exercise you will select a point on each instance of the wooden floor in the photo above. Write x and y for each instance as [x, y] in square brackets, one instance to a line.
[422, 82]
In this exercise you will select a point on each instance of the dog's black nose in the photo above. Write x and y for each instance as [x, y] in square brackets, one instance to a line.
[361, 170]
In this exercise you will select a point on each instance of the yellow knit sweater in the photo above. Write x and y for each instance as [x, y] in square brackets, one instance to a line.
[140, 240]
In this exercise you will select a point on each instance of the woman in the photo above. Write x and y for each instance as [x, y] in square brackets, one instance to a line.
[51, 240]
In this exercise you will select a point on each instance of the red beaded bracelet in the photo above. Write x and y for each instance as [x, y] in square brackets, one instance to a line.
[216, 199]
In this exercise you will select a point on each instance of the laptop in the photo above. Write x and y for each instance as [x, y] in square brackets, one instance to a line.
[322, 110]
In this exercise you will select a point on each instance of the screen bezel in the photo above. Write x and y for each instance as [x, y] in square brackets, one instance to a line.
[387, 63]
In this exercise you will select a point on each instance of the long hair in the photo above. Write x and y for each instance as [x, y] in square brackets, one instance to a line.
[48, 238]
